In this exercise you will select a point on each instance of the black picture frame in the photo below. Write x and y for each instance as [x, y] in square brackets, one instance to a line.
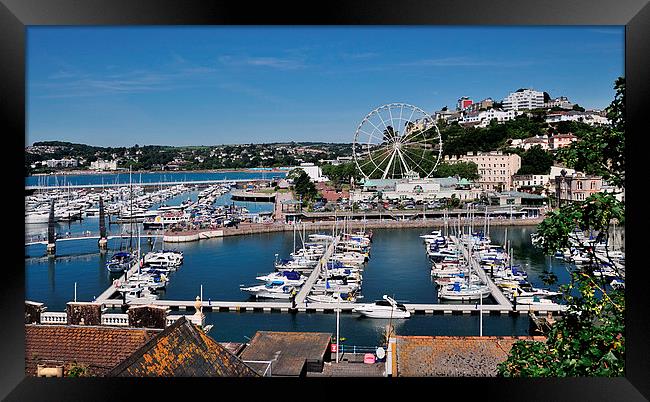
[16, 15]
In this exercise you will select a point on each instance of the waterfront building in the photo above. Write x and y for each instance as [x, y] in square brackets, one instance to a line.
[516, 198]
[428, 189]
[330, 193]
[523, 99]
[530, 182]
[101, 164]
[576, 187]
[314, 172]
[496, 168]
[60, 163]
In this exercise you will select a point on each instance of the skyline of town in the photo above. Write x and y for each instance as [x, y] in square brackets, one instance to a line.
[194, 85]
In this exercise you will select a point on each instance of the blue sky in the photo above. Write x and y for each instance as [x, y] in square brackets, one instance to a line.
[118, 86]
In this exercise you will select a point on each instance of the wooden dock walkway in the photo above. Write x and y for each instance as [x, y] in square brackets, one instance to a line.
[503, 306]
[496, 293]
[285, 307]
[44, 242]
[111, 289]
[315, 274]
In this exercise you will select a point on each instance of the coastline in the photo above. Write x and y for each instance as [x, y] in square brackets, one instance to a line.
[95, 172]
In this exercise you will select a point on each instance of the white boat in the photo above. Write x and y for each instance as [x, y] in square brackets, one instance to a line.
[293, 278]
[349, 258]
[336, 286]
[272, 290]
[38, 217]
[317, 237]
[457, 279]
[163, 259]
[535, 301]
[165, 220]
[342, 298]
[386, 308]
[457, 291]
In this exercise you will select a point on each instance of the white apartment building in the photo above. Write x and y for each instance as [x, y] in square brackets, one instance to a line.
[525, 99]
[523, 182]
[314, 172]
[103, 165]
[591, 118]
[495, 168]
[60, 163]
[562, 102]
[484, 118]
[528, 143]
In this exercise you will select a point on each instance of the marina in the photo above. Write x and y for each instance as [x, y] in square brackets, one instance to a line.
[221, 294]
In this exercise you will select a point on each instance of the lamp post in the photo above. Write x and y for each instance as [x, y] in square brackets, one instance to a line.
[338, 311]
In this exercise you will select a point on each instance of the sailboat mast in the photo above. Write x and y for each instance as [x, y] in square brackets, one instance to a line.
[131, 213]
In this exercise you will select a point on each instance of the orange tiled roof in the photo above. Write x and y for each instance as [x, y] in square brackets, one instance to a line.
[99, 348]
[182, 350]
[453, 356]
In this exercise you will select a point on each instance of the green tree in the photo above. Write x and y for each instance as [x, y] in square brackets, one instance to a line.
[589, 340]
[465, 170]
[303, 185]
[536, 161]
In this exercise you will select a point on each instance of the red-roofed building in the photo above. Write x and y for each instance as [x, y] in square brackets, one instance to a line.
[561, 140]
[330, 194]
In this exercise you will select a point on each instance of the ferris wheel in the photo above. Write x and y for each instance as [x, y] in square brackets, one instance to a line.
[397, 140]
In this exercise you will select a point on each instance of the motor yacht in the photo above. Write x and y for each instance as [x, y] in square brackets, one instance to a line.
[293, 278]
[386, 308]
[271, 290]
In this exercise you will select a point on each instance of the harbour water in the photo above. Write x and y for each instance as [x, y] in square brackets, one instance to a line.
[145, 177]
[398, 266]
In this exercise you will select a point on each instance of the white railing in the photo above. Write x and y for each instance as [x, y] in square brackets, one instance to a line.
[115, 319]
[194, 319]
[54, 318]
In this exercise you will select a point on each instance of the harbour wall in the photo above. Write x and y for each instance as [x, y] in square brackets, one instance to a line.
[244, 229]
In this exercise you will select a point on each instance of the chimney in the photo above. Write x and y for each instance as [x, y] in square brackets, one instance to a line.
[84, 313]
[147, 317]
[33, 312]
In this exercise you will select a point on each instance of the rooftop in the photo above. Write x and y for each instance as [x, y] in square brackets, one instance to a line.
[182, 350]
[291, 349]
[453, 356]
[99, 348]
